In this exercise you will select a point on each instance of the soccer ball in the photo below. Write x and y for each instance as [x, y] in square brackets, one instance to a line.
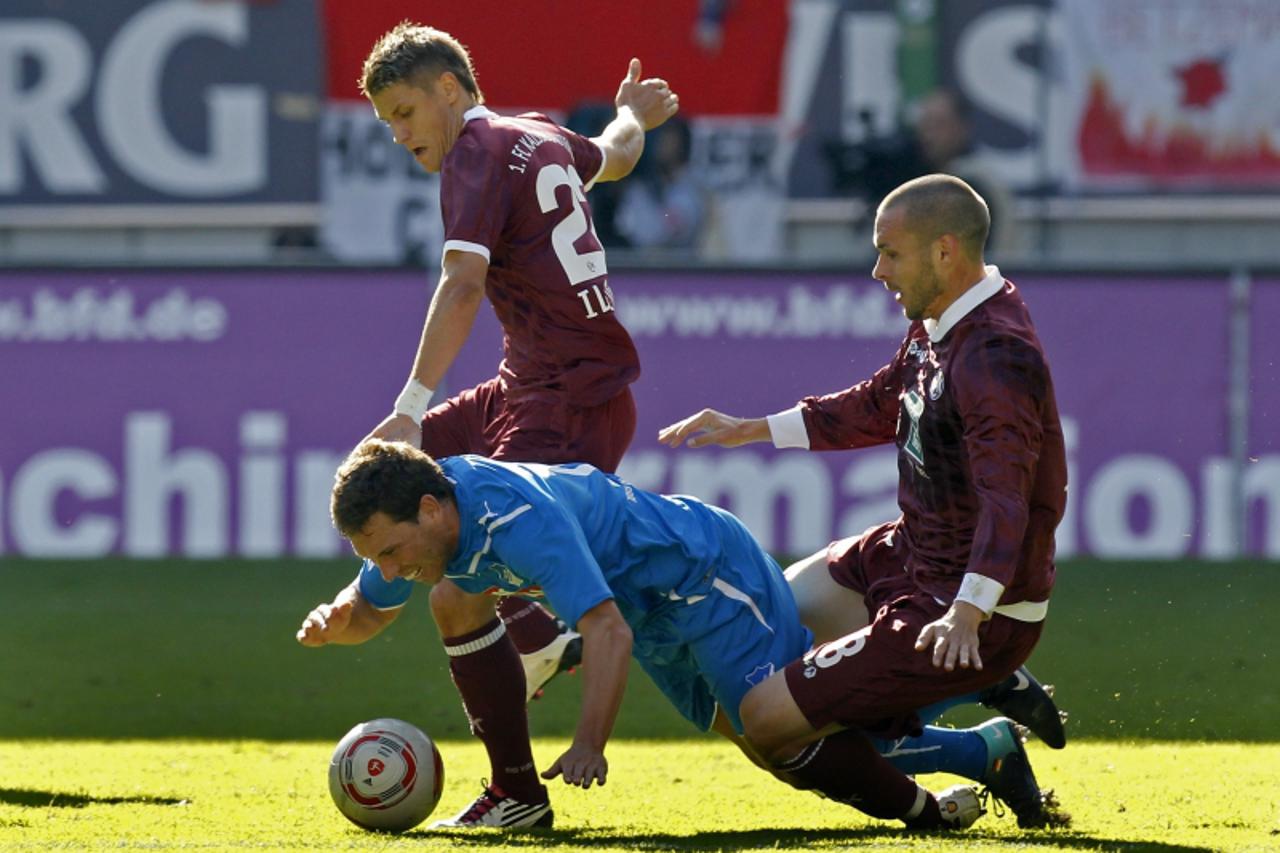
[386, 775]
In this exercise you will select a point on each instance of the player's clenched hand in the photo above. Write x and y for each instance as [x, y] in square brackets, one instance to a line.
[326, 622]
[712, 427]
[580, 765]
[399, 428]
[651, 100]
[953, 638]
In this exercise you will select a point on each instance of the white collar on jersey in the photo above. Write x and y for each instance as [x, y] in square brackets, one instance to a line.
[977, 294]
[478, 111]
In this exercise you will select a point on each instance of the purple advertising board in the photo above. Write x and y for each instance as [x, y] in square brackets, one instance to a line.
[203, 413]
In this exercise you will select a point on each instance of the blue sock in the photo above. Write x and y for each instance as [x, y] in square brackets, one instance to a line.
[930, 713]
[939, 750]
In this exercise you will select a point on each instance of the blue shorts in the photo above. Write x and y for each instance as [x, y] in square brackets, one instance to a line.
[709, 650]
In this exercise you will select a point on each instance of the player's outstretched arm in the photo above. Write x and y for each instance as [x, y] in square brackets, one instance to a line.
[642, 105]
[347, 620]
[606, 656]
[449, 320]
[712, 427]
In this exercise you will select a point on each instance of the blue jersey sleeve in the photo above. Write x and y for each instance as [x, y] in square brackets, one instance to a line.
[546, 546]
[383, 595]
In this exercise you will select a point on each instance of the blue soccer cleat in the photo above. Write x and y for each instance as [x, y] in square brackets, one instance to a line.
[1010, 779]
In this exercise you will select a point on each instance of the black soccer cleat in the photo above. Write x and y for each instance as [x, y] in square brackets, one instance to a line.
[1025, 701]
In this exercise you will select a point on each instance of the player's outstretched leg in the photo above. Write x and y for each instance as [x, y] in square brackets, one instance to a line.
[937, 749]
[845, 767]
[1022, 698]
[495, 810]
[546, 645]
[1010, 779]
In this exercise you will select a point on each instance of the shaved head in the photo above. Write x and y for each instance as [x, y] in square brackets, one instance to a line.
[935, 205]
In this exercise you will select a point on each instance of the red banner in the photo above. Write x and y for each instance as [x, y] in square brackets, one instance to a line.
[553, 55]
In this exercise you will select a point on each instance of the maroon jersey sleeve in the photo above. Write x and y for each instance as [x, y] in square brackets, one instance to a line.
[999, 385]
[587, 156]
[862, 416]
[475, 196]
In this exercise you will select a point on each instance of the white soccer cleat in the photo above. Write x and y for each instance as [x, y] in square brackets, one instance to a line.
[562, 653]
[960, 806]
[495, 810]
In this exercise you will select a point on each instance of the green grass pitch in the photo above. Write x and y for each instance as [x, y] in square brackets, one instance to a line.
[150, 705]
[662, 795]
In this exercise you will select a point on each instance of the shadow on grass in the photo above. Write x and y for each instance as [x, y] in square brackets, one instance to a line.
[791, 839]
[76, 800]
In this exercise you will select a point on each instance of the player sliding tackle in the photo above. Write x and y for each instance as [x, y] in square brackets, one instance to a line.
[679, 584]
[953, 593]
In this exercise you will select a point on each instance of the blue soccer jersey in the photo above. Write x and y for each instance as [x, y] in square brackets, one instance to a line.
[710, 610]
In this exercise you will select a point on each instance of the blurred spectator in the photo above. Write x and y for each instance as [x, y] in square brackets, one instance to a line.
[708, 30]
[943, 133]
[663, 206]
[937, 138]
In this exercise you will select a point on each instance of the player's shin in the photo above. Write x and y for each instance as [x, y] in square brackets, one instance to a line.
[938, 750]
[846, 767]
[486, 670]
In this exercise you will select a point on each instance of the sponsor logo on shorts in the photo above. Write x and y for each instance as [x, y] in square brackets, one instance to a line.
[759, 674]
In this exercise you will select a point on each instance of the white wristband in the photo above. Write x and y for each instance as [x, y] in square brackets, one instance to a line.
[414, 400]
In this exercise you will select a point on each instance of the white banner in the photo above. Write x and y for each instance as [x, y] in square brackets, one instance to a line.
[1173, 94]
[380, 207]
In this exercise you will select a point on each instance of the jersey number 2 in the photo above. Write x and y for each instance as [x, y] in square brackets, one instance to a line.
[578, 266]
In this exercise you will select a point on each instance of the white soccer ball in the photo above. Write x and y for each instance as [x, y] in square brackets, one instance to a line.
[386, 775]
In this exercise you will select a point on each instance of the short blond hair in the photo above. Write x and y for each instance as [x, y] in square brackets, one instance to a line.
[409, 51]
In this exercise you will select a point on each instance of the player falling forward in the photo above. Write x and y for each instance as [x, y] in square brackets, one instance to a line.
[681, 585]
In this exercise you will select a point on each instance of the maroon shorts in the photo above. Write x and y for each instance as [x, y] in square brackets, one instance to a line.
[874, 679]
[482, 420]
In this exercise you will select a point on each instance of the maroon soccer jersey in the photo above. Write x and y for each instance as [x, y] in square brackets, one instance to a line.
[981, 461]
[515, 189]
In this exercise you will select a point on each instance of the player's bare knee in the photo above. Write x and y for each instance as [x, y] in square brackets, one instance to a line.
[457, 612]
[761, 728]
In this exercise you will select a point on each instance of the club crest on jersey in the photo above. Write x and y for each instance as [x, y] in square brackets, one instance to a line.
[914, 350]
[936, 386]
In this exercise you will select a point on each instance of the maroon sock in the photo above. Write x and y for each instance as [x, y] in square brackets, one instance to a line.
[530, 625]
[930, 816]
[845, 767]
[487, 671]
